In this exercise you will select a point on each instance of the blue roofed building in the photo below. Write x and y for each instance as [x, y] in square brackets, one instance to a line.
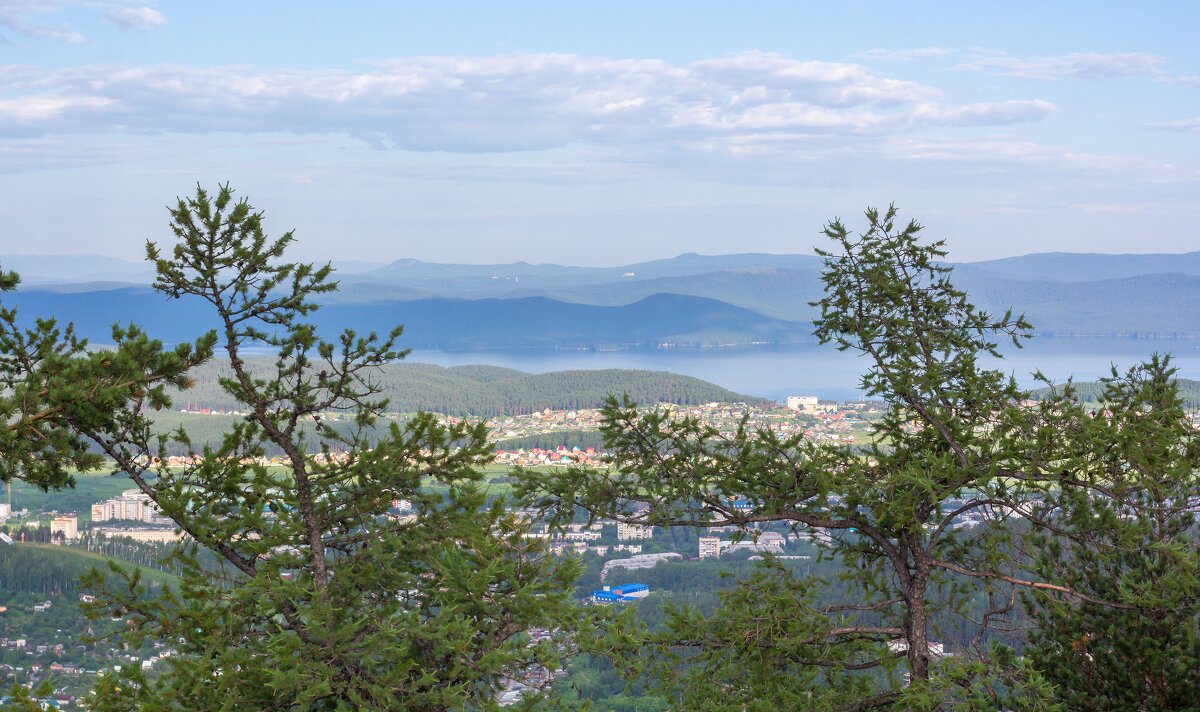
[631, 590]
[626, 593]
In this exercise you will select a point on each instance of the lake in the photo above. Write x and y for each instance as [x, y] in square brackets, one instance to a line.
[776, 372]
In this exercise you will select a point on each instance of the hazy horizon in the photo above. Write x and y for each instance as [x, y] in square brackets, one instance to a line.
[516, 259]
[601, 134]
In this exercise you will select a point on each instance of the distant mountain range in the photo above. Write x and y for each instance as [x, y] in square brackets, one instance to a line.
[690, 300]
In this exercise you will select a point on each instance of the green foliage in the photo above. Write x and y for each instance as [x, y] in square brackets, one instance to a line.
[954, 442]
[1097, 392]
[50, 381]
[320, 599]
[45, 570]
[1138, 550]
[22, 698]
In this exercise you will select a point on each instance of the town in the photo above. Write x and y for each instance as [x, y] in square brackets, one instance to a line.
[128, 526]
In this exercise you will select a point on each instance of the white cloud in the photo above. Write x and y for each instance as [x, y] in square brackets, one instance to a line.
[1182, 125]
[984, 113]
[500, 103]
[24, 18]
[134, 18]
[33, 110]
[28, 18]
[904, 55]
[1075, 65]
[1003, 153]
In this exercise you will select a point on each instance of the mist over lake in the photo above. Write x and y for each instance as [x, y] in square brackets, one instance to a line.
[776, 372]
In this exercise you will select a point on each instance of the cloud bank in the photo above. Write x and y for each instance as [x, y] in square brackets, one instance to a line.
[495, 104]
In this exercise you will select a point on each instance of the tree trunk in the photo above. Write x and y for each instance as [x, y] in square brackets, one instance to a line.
[916, 627]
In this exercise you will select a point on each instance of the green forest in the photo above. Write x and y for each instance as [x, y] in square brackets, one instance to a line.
[485, 391]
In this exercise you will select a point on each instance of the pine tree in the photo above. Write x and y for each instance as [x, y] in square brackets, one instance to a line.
[931, 522]
[323, 597]
[1138, 547]
[51, 380]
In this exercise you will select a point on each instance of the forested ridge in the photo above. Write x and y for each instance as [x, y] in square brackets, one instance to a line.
[31, 569]
[1092, 392]
[485, 391]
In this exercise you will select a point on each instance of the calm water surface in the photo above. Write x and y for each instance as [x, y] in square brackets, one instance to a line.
[779, 372]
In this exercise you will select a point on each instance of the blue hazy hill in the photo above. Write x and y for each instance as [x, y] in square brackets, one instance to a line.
[457, 324]
[686, 300]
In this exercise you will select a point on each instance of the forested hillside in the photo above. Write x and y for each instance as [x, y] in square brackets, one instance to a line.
[488, 390]
[1090, 391]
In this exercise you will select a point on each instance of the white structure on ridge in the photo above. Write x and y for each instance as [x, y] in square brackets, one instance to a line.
[641, 561]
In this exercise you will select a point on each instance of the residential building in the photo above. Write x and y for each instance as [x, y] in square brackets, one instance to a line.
[809, 405]
[765, 543]
[710, 547]
[67, 525]
[140, 534]
[802, 402]
[626, 532]
[131, 505]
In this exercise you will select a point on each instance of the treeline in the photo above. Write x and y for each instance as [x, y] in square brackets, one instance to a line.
[1091, 392]
[582, 439]
[486, 391]
[45, 572]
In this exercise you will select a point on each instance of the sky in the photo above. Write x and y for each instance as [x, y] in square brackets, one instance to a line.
[602, 133]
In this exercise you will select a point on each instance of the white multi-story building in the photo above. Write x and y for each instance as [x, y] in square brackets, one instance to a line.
[154, 534]
[766, 543]
[131, 505]
[710, 547]
[802, 402]
[626, 532]
[67, 525]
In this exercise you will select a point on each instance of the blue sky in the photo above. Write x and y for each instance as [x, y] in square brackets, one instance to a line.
[605, 132]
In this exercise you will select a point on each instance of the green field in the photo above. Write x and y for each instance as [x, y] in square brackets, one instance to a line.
[91, 558]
